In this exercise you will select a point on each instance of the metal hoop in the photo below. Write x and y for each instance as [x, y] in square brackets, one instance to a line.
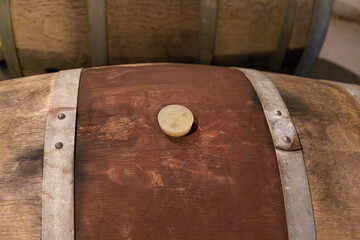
[7, 40]
[58, 170]
[208, 18]
[295, 185]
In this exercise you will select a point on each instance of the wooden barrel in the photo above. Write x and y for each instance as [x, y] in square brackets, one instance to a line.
[270, 156]
[46, 36]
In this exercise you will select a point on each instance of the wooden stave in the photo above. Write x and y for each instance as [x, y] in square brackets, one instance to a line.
[281, 81]
[60, 38]
[128, 157]
[332, 112]
[24, 109]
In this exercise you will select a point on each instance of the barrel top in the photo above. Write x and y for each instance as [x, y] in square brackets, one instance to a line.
[222, 180]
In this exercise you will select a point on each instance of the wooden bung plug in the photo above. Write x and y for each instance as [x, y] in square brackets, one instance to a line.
[175, 120]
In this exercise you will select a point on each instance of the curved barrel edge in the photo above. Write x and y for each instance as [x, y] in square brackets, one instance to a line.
[294, 179]
[58, 169]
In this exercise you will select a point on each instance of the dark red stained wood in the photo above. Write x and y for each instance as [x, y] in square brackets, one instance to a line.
[134, 182]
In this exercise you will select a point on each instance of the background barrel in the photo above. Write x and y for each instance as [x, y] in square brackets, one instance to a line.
[125, 165]
[55, 35]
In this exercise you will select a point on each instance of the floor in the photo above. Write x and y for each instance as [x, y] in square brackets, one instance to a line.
[339, 59]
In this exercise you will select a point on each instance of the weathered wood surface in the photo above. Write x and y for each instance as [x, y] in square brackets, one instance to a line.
[302, 24]
[23, 111]
[327, 119]
[129, 174]
[168, 31]
[55, 34]
[152, 30]
[50, 34]
[246, 27]
[132, 181]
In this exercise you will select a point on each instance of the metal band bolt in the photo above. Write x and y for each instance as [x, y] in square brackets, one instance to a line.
[59, 145]
[61, 116]
[286, 139]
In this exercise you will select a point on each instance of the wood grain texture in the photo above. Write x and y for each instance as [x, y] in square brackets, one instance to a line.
[55, 34]
[23, 111]
[327, 119]
[253, 27]
[50, 34]
[153, 31]
[302, 24]
[134, 182]
[241, 30]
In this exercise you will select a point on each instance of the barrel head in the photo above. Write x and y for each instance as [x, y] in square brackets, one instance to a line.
[220, 181]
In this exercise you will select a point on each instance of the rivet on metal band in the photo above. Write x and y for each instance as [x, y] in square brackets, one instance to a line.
[352, 89]
[96, 10]
[281, 127]
[58, 169]
[7, 40]
[208, 18]
[295, 185]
